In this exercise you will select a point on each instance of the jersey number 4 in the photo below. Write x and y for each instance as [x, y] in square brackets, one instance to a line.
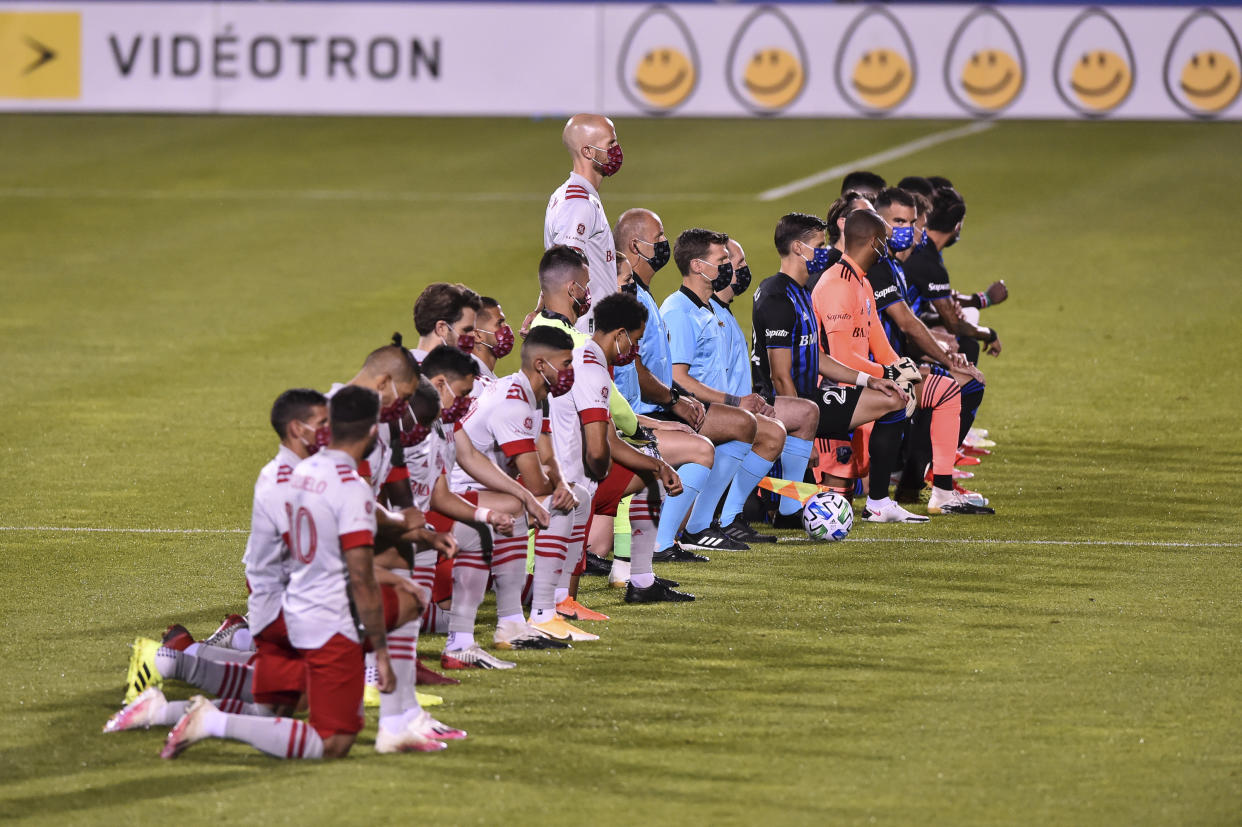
[302, 534]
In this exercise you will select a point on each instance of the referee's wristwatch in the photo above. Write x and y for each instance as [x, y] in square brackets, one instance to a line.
[674, 395]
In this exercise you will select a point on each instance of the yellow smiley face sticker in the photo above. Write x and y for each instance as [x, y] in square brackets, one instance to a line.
[774, 78]
[991, 78]
[1101, 79]
[882, 78]
[664, 76]
[1211, 80]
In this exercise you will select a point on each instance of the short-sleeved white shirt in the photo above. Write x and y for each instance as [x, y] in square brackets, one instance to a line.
[267, 559]
[379, 466]
[426, 461]
[504, 423]
[575, 217]
[586, 402]
[331, 510]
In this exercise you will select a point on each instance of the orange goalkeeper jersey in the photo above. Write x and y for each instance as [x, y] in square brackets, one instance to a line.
[849, 327]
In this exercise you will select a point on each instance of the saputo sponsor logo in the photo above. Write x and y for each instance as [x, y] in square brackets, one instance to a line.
[879, 294]
[938, 287]
[232, 55]
[775, 333]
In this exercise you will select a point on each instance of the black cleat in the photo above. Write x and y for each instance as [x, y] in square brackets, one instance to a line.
[537, 642]
[597, 566]
[712, 539]
[656, 593]
[787, 521]
[672, 584]
[742, 532]
[676, 554]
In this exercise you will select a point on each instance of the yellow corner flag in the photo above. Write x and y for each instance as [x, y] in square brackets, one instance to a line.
[800, 491]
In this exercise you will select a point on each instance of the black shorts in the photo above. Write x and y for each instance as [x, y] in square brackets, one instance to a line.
[836, 408]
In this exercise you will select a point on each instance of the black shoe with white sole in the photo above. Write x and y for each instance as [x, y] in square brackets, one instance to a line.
[742, 532]
[712, 539]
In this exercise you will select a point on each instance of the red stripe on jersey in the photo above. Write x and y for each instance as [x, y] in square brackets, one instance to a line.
[293, 734]
[575, 188]
[398, 473]
[589, 358]
[593, 415]
[516, 392]
[518, 446]
[364, 468]
[573, 197]
[302, 739]
[356, 539]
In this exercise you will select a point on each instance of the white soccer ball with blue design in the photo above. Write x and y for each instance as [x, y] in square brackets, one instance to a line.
[827, 516]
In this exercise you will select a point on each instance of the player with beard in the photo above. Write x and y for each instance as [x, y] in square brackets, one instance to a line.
[493, 340]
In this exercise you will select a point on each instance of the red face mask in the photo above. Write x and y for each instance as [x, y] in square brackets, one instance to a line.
[413, 437]
[394, 411]
[581, 305]
[613, 164]
[504, 342]
[322, 436]
[622, 361]
[465, 342]
[564, 381]
[454, 412]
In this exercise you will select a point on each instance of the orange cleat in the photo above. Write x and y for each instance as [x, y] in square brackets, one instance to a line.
[573, 610]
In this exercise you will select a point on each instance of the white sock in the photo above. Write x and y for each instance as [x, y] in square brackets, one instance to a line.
[642, 581]
[393, 723]
[511, 619]
[878, 504]
[214, 721]
[242, 640]
[458, 641]
[192, 649]
[561, 595]
[542, 615]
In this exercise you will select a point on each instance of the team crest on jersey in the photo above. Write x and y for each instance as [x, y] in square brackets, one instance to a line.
[370, 507]
[844, 453]
[581, 229]
[530, 423]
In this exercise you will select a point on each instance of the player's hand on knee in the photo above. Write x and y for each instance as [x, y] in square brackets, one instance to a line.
[887, 387]
[445, 544]
[670, 480]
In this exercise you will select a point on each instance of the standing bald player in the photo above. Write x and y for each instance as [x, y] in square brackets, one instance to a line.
[575, 215]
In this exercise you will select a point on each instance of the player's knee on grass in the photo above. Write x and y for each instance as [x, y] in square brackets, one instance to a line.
[338, 745]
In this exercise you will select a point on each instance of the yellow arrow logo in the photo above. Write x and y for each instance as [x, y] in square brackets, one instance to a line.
[41, 55]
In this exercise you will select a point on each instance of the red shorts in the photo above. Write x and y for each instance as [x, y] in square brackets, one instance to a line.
[279, 674]
[392, 610]
[443, 588]
[334, 685]
[611, 491]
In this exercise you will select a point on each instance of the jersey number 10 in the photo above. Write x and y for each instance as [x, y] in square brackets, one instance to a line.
[303, 536]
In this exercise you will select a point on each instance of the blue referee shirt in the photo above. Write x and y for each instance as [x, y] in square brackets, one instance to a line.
[695, 338]
[652, 349]
[736, 354]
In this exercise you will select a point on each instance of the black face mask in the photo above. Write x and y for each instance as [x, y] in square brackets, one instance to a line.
[741, 279]
[631, 287]
[661, 252]
[724, 277]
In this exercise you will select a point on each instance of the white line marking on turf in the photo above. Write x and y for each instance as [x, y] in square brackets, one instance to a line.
[330, 196]
[936, 541]
[1015, 542]
[899, 151]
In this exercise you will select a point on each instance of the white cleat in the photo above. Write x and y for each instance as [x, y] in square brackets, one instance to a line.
[406, 740]
[619, 577]
[978, 442]
[427, 726]
[473, 657]
[952, 502]
[191, 729]
[141, 713]
[891, 512]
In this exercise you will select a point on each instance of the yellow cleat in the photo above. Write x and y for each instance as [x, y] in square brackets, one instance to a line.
[427, 700]
[560, 629]
[142, 670]
[371, 696]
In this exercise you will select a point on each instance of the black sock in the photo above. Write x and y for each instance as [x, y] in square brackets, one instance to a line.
[885, 453]
[919, 454]
[972, 397]
[943, 481]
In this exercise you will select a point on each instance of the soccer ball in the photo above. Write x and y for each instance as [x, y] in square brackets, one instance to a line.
[827, 516]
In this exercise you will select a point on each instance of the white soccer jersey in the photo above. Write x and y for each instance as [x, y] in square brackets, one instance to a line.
[575, 217]
[384, 464]
[586, 402]
[267, 559]
[426, 461]
[485, 378]
[504, 423]
[331, 511]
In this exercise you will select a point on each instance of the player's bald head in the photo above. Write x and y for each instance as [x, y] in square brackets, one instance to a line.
[586, 130]
[559, 266]
[637, 224]
[735, 249]
[861, 226]
[393, 361]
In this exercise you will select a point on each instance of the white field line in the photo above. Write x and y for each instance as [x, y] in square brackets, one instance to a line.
[935, 541]
[897, 152]
[330, 196]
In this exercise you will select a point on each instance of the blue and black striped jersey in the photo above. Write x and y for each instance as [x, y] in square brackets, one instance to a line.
[784, 318]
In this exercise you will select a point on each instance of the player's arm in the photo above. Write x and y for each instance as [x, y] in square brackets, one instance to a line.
[596, 453]
[834, 371]
[681, 375]
[545, 480]
[364, 592]
[996, 293]
[487, 473]
[918, 335]
[778, 320]
[780, 368]
[461, 510]
[955, 324]
[654, 392]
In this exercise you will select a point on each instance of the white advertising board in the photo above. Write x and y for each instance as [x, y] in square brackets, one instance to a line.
[549, 59]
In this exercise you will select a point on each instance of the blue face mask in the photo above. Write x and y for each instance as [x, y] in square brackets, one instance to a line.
[903, 239]
[818, 262]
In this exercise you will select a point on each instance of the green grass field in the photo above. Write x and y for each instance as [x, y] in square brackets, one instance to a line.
[1077, 659]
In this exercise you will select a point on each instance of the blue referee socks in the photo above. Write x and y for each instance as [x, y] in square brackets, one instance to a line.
[754, 468]
[693, 476]
[728, 458]
[794, 459]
